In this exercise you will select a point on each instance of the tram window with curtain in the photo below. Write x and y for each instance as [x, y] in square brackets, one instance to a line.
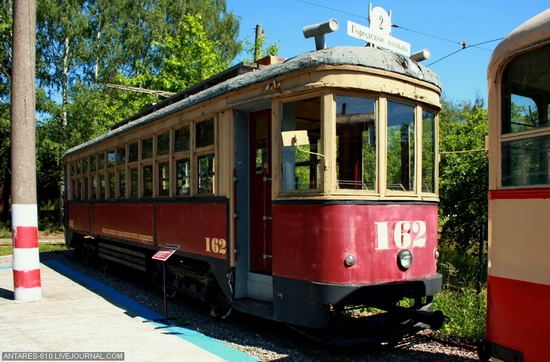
[526, 98]
[356, 143]
[301, 165]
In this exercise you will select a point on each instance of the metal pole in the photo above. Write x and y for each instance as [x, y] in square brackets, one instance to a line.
[164, 286]
[257, 42]
[480, 258]
[26, 263]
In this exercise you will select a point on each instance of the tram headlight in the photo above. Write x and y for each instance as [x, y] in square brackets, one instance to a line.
[404, 259]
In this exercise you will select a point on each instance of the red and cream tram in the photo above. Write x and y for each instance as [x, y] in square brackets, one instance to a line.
[519, 139]
[296, 191]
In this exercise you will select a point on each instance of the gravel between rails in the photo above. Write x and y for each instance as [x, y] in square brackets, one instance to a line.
[262, 339]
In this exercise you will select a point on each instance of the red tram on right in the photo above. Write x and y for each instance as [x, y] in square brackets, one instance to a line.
[519, 196]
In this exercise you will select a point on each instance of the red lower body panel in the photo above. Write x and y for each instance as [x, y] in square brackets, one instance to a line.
[133, 222]
[197, 228]
[518, 316]
[311, 242]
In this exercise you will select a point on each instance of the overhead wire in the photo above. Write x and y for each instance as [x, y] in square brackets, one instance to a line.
[464, 44]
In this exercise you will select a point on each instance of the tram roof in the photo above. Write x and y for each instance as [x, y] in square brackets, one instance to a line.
[245, 74]
[533, 32]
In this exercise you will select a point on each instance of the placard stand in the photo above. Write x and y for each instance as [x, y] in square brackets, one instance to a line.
[163, 255]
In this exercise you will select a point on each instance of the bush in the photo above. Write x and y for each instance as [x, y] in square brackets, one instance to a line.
[462, 299]
[466, 309]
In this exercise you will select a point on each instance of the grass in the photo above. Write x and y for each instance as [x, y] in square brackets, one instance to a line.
[45, 228]
[462, 299]
[42, 248]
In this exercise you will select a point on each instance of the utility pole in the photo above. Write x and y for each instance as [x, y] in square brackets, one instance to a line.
[258, 42]
[26, 262]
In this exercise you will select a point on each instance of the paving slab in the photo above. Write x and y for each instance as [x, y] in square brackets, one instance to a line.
[79, 314]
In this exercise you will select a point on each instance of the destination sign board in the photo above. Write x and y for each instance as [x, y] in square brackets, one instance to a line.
[379, 32]
[378, 38]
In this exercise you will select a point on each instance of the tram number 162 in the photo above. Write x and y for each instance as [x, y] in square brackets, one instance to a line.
[405, 234]
[216, 246]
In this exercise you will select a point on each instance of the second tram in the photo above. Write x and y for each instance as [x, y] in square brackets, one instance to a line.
[519, 195]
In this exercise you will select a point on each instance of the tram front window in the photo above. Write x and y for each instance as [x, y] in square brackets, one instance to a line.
[356, 143]
[525, 126]
[301, 165]
[400, 147]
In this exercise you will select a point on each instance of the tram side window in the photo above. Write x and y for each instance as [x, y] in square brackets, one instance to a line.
[148, 180]
[164, 178]
[526, 100]
[121, 170]
[111, 182]
[101, 170]
[525, 162]
[428, 151]
[204, 144]
[356, 143]
[182, 139]
[163, 165]
[147, 169]
[85, 180]
[301, 166]
[182, 146]
[133, 157]
[206, 174]
[400, 147]
[134, 182]
[93, 176]
[183, 171]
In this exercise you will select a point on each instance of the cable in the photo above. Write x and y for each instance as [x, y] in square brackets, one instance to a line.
[329, 8]
[464, 46]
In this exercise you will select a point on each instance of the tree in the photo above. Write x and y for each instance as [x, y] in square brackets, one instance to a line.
[85, 44]
[463, 172]
[259, 49]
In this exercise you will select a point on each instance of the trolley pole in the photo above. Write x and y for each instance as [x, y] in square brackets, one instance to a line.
[26, 263]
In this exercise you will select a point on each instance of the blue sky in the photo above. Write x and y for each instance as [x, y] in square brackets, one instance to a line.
[439, 25]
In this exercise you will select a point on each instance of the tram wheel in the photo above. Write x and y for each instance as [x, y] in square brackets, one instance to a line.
[221, 311]
[220, 308]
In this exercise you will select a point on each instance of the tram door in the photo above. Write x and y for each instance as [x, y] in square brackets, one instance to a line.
[260, 192]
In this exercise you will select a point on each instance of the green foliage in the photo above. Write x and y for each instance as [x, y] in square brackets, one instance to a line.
[42, 248]
[189, 58]
[463, 173]
[460, 299]
[466, 309]
[259, 49]
[84, 45]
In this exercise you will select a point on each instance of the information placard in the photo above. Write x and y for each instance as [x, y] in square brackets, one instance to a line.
[166, 251]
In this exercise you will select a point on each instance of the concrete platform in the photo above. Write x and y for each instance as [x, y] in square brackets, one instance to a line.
[78, 314]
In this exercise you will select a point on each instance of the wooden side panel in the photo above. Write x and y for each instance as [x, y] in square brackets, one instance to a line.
[133, 222]
[79, 217]
[197, 228]
[311, 242]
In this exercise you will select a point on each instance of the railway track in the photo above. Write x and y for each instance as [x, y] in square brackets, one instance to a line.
[263, 339]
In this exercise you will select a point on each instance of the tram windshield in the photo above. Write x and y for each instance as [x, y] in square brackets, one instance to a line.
[302, 165]
[526, 102]
[405, 159]
[356, 146]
